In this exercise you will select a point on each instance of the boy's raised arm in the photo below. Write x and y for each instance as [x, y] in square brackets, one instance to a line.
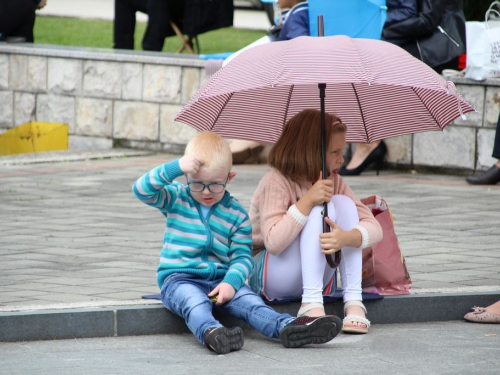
[150, 187]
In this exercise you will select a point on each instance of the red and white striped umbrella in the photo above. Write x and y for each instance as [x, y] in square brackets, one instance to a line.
[376, 88]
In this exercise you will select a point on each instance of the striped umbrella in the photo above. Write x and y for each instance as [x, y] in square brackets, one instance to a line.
[376, 88]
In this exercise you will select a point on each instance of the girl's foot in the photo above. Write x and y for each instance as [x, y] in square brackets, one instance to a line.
[313, 309]
[355, 319]
[356, 311]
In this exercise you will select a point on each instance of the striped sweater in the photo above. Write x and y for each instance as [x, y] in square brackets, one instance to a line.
[216, 247]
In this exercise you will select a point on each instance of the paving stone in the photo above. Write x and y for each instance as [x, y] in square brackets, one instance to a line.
[439, 219]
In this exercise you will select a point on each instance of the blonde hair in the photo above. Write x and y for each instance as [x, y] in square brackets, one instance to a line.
[212, 149]
[297, 153]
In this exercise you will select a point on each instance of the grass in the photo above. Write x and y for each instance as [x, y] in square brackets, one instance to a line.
[99, 33]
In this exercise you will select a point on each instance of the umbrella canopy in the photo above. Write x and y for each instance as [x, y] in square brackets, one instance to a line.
[376, 88]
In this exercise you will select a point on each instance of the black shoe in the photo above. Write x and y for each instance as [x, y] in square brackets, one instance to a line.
[223, 340]
[310, 330]
[490, 177]
[375, 157]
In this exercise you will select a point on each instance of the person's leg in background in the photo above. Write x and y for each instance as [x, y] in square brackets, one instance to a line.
[124, 22]
[492, 175]
[159, 13]
[17, 18]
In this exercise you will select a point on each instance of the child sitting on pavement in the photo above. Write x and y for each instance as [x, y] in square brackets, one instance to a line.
[207, 252]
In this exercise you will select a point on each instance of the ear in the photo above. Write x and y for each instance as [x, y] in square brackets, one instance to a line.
[231, 176]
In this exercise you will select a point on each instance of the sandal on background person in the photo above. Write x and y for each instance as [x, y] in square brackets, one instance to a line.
[480, 315]
[352, 318]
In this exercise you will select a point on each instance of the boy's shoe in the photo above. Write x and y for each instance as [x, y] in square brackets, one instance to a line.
[223, 340]
[310, 330]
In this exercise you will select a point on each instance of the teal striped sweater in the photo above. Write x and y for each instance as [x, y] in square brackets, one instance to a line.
[218, 246]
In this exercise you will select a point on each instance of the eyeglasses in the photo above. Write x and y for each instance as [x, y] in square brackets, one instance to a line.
[214, 187]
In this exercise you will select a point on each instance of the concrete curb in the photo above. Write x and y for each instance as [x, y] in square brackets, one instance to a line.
[155, 319]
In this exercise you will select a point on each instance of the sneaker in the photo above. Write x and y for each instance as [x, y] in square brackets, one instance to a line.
[223, 340]
[310, 330]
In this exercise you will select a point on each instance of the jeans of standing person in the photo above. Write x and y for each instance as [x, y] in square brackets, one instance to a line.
[186, 295]
[17, 18]
[159, 12]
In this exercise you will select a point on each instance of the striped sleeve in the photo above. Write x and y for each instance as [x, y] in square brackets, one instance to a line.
[240, 255]
[150, 188]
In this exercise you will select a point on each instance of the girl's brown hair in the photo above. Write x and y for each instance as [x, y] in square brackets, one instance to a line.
[297, 153]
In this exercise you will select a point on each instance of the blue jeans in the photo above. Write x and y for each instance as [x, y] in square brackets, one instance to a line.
[186, 295]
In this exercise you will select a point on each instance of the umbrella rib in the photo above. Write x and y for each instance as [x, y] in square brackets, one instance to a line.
[427, 108]
[360, 111]
[288, 103]
[222, 109]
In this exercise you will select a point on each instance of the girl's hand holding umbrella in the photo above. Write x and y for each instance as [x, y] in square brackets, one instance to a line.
[321, 192]
[337, 238]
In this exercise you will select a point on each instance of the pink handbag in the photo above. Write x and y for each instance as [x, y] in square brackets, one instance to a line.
[384, 266]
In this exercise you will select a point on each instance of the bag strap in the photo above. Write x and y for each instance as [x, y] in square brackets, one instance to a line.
[491, 10]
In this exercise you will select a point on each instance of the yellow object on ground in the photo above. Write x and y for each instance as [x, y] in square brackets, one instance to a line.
[34, 136]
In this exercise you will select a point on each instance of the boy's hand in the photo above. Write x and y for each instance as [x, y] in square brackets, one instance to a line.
[333, 241]
[224, 292]
[190, 164]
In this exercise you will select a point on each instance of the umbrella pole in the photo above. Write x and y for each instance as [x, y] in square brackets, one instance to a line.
[332, 260]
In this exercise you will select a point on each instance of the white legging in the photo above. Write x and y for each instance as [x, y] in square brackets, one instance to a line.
[301, 269]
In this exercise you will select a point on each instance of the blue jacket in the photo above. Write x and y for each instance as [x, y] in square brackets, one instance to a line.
[216, 247]
[399, 10]
[296, 22]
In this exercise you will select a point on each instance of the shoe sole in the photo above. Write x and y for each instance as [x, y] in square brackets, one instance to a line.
[318, 332]
[227, 340]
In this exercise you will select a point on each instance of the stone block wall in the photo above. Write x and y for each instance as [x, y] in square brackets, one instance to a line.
[464, 145]
[103, 95]
[132, 97]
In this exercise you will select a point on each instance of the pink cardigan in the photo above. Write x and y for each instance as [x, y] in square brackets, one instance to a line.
[274, 227]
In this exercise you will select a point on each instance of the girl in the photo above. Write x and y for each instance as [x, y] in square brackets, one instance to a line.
[285, 211]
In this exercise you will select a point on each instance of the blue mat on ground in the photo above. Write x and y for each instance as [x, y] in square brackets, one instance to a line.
[337, 295]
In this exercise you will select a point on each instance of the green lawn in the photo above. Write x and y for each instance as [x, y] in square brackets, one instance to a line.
[97, 33]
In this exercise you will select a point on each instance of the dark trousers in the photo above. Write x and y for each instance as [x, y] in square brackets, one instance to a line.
[159, 14]
[17, 18]
[496, 144]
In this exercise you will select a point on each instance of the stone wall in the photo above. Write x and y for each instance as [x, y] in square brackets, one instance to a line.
[463, 145]
[105, 96]
[131, 98]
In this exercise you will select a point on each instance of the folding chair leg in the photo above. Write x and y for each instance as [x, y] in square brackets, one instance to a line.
[186, 43]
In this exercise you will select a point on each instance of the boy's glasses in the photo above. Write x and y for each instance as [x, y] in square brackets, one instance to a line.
[213, 187]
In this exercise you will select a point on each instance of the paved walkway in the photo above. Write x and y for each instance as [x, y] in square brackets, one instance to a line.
[73, 234]
[453, 348]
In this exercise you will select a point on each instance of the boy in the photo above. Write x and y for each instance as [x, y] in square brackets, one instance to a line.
[207, 252]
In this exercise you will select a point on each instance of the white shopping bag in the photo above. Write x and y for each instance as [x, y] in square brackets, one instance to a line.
[483, 47]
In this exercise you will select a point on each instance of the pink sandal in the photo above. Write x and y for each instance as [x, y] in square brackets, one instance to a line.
[480, 315]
